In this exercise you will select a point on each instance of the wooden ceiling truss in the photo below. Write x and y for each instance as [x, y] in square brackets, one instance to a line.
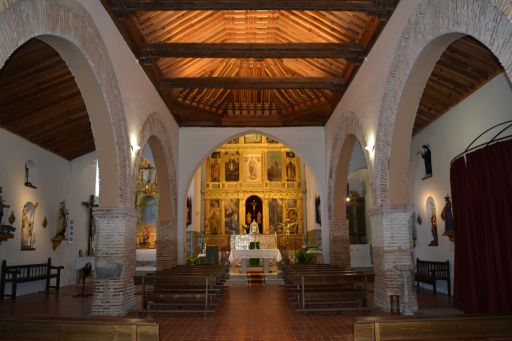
[246, 63]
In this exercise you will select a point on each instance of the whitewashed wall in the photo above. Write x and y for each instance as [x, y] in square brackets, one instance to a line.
[58, 179]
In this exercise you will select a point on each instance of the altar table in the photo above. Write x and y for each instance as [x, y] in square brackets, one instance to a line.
[244, 255]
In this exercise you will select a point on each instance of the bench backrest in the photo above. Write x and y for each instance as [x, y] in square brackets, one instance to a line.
[65, 329]
[446, 328]
[26, 272]
[440, 270]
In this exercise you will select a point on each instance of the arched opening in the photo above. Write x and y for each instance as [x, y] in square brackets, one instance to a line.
[448, 100]
[253, 178]
[45, 119]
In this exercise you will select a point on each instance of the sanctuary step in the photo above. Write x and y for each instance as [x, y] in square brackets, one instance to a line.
[257, 278]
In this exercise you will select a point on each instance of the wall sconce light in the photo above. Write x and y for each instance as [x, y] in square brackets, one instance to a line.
[370, 147]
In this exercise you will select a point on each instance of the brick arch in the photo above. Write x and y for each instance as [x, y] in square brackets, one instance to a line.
[349, 131]
[153, 133]
[70, 30]
[433, 26]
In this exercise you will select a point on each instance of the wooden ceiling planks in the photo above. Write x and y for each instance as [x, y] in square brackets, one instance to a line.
[462, 69]
[41, 102]
[250, 59]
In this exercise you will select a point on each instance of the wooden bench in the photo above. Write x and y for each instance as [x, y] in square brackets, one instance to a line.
[430, 272]
[15, 274]
[174, 292]
[333, 292]
[66, 329]
[432, 328]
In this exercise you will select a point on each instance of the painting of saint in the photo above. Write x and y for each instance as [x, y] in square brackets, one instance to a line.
[290, 170]
[275, 215]
[274, 166]
[252, 138]
[214, 217]
[214, 170]
[231, 166]
[231, 221]
[252, 167]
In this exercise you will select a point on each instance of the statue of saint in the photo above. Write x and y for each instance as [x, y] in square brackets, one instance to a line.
[215, 171]
[290, 171]
[427, 158]
[447, 216]
[254, 228]
[248, 218]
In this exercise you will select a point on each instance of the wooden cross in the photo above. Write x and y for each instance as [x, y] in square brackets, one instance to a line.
[90, 205]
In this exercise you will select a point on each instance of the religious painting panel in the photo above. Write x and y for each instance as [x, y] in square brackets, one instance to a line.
[274, 166]
[232, 165]
[291, 167]
[252, 138]
[146, 226]
[252, 167]
[276, 215]
[215, 167]
[292, 215]
[231, 214]
[28, 235]
[214, 217]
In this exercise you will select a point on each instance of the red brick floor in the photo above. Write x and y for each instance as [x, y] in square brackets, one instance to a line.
[246, 313]
[257, 313]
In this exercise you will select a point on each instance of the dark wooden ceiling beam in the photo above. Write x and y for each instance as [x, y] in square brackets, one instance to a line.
[255, 82]
[352, 52]
[125, 7]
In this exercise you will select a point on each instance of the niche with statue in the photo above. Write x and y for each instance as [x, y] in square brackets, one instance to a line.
[147, 203]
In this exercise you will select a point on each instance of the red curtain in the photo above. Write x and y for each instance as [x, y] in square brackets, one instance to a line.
[481, 187]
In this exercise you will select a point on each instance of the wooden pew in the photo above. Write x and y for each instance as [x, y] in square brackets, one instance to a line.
[432, 328]
[66, 329]
[333, 292]
[177, 292]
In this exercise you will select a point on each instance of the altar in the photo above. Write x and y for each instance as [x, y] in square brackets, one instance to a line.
[244, 255]
[240, 251]
[242, 241]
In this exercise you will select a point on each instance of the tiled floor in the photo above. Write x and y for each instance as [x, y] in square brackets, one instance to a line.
[246, 313]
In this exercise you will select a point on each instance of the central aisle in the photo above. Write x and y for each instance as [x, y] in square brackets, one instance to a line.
[256, 313]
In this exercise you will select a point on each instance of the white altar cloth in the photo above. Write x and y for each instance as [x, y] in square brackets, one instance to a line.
[237, 255]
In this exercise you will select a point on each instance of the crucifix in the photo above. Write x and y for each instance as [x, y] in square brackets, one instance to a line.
[253, 203]
[90, 205]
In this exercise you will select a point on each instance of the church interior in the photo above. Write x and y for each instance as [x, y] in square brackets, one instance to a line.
[255, 170]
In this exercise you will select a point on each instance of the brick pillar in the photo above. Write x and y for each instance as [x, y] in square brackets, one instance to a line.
[166, 244]
[392, 246]
[339, 242]
[114, 292]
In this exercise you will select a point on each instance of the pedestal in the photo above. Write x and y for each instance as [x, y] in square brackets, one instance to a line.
[405, 270]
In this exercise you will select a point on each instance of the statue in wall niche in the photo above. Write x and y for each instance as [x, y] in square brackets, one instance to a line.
[28, 235]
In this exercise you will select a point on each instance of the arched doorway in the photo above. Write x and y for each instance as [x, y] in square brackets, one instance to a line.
[254, 211]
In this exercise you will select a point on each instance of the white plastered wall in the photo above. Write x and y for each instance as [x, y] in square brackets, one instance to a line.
[57, 180]
[448, 136]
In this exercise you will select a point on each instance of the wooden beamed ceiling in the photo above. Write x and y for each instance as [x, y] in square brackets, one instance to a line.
[40, 101]
[462, 69]
[246, 63]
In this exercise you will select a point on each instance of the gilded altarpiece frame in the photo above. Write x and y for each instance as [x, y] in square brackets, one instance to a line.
[281, 191]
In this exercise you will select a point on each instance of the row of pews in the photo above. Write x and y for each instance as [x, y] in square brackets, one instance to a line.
[184, 289]
[325, 287]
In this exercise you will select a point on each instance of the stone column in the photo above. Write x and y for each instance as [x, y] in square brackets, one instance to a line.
[114, 292]
[166, 244]
[339, 241]
[392, 249]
